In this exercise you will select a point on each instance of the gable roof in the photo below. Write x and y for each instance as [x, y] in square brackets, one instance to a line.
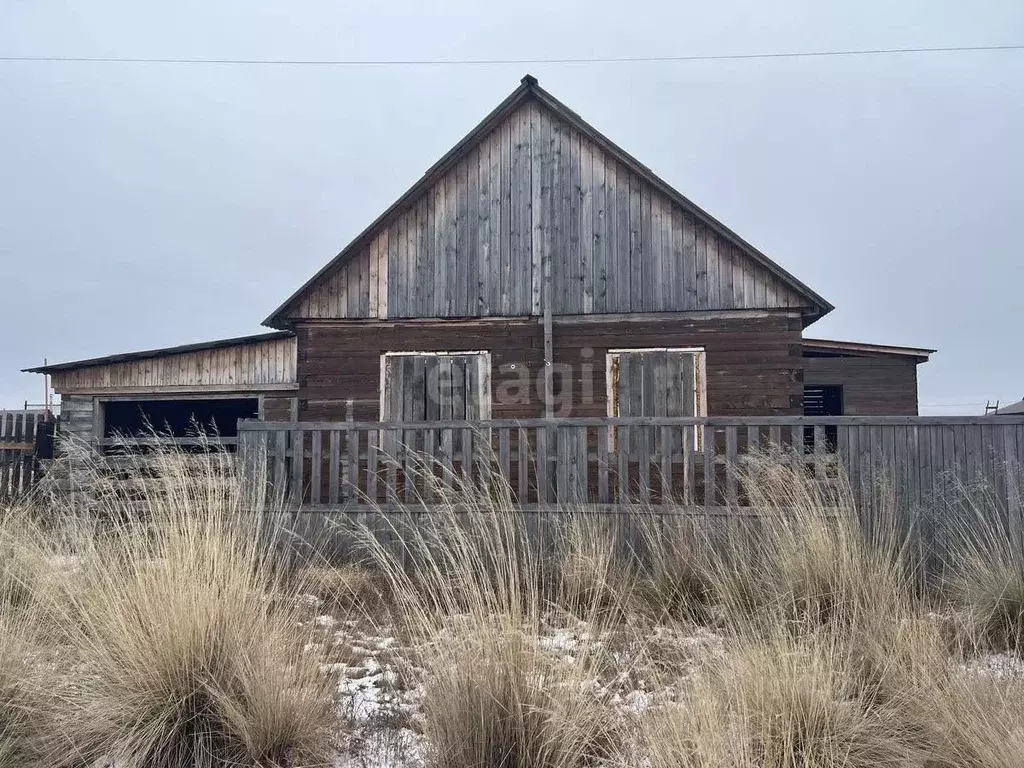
[529, 89]
[152, 353]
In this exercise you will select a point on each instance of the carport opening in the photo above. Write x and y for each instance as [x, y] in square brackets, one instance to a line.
[177, 418]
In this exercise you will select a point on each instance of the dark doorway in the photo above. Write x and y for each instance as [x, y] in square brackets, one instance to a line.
[823, 401]
[178, 418]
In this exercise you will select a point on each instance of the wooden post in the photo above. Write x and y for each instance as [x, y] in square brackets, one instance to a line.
[549, 388]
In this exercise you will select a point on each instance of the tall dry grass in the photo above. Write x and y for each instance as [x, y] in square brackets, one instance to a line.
[984, 571]
[834, 656]
[798, 553]
[172, 630]
[21, 734]
[175, 641]
[474, 586]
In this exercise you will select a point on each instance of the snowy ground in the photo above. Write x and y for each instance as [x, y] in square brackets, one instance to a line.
[380, 690]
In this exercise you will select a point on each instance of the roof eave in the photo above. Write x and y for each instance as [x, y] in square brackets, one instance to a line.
[919, 354]
[148, 354]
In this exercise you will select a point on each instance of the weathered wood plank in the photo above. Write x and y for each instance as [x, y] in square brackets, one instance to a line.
[523, 454]
[666, 464]
[542, 462]
[586, 233]
[603, 236]
[709, 465]
[731, 466]
[603, 494]
[316, 458]
[540, 133]
[298, 461]
[636, 251]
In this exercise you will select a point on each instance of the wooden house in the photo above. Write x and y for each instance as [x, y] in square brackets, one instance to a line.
[536, 269]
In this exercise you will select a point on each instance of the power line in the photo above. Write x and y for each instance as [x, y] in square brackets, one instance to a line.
[496, 62]
[951, 405]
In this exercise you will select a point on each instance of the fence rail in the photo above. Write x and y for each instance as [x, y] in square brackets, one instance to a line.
[25, 438]
[680, 462]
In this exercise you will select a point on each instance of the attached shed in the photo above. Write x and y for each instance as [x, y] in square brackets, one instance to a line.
[845, 378]
[212, 384]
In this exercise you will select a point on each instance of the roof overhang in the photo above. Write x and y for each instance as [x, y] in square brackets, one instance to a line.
[151, 353]
[816, 307]
[856, 348]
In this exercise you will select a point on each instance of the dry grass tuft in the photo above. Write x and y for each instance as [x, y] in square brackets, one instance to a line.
[596, 582]
[22, 697]
[986, 577]
[501, 703]
[345, 589]
[787, 701]
[808, 558]
[479, 603]
[680, 573]
[180, 654]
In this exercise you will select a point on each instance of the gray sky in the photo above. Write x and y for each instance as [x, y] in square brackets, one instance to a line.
[146, 205]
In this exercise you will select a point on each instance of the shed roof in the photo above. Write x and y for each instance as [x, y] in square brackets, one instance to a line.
[1014, 409]
[151, 353]
[920, 354]
[527, 90]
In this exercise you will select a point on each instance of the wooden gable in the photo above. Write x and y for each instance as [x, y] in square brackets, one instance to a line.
[535, 183]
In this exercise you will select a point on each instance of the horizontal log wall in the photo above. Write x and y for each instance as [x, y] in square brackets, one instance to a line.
[871, 385]
[752, 359]
[536, 188]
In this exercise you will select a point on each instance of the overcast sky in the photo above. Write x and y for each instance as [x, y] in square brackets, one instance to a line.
[147, 205]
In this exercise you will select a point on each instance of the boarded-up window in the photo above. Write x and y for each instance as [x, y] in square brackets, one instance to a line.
[435, 386]
[656, 382]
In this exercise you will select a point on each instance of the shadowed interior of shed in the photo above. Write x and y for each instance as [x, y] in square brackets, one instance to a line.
[180, 418]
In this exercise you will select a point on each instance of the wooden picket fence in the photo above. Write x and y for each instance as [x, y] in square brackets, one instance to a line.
[693, 463]
[26, 438]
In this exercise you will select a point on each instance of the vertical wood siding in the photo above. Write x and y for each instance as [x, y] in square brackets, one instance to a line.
[265, 362]
[535, 187]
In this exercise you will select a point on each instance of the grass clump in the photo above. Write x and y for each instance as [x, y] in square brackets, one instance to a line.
[345, 589]
[985, 577]
[503, 703]
[22, 728]
[784, 701]
[478, 598]
[681, 577]
[596, 581]
[807, 558]
[181, 655]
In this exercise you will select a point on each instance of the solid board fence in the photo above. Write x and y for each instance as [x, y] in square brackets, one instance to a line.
[607, 466]
[25, 438]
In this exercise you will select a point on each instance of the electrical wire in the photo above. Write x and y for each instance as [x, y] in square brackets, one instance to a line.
[499, 62]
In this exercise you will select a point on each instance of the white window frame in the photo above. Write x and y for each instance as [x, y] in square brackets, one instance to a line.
[699, 384]
[483, 380]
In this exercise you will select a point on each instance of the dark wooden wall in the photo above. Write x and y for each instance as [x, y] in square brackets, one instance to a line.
[753, 361]
[872, 386]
